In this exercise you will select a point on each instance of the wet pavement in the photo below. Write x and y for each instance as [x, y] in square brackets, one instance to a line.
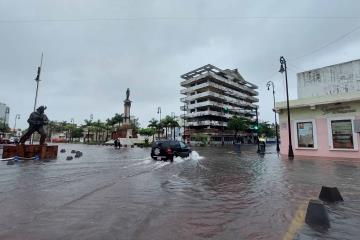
[217, 193]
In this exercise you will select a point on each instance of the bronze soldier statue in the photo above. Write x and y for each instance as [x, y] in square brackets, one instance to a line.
[36, 121]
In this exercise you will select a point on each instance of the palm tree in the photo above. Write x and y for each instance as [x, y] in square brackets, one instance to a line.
[174, 124]
[153, 123]
[51, 127]
[118, 118]
[108, 127]
[88, 124]
[166, 123]
[98, 126]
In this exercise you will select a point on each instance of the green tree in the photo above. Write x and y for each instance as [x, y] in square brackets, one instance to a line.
[108, 127]
[173, 125]
[266, 129]
[98, 127]
[77, 133]
[166, 123]
[89, 126]
[117, 119]
[153, 123]
[4, 128]
[135, 124]
[238, 124]
[148, 132]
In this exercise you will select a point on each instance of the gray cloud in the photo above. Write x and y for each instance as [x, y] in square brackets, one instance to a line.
[94, 50]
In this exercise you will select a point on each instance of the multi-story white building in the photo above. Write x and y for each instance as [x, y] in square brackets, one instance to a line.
[213, 96]
[4, 113]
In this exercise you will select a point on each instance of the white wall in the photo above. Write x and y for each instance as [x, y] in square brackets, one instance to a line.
[335, 79]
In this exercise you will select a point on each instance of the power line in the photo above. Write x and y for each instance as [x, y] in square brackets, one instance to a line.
[327, 44]
[190, 18]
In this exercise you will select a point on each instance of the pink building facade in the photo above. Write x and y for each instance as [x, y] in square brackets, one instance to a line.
[326, 126]
[325, 119]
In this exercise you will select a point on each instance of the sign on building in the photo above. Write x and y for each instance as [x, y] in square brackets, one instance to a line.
[335, 79]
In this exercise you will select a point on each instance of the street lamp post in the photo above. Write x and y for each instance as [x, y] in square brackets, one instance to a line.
[17, 116]
[72, 122]
[159, 112]
[257, 130]
[271, 83]
[283, 69]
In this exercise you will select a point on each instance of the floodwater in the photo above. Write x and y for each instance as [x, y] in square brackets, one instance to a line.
[217, 193]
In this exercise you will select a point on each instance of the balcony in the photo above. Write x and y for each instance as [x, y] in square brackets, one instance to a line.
[219, 88]
[205, 123]
[212, 103]
[207, 113]
[221, 97]
[223, 80]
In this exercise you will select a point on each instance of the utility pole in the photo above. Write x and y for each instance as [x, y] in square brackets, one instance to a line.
[257, 130]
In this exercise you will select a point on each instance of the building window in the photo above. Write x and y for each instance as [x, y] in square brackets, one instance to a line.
[305, 134]
[342, 134]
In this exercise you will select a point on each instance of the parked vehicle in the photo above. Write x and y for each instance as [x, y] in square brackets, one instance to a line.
[4, 141]
[168, 149]
[14, 140]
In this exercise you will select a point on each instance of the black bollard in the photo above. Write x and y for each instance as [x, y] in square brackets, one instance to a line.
[330, 194]
[316, 214]
[132, 146]
[62, 150]
[10, 162]
[78, 154]
[68, 158]
[73, 151]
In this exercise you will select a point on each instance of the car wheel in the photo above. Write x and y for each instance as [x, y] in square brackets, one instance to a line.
[156, 151]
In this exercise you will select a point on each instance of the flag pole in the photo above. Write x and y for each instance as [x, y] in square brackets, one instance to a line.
[37, 79]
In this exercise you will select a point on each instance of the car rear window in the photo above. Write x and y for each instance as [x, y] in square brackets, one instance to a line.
[183, 145]
[174, 144]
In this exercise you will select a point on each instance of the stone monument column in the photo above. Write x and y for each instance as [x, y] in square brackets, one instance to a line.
[127, 105]
[127, 122]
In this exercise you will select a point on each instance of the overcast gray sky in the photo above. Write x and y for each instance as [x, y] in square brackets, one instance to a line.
[95, 49]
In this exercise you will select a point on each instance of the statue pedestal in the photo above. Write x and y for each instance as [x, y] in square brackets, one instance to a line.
[29, 151]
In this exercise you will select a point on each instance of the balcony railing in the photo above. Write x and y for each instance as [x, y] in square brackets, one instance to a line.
[186, 83]
[220, 88]
[217, 104]
[220, 97]
[205, 123]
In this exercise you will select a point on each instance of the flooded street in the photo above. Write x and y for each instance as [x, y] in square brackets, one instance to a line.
[217, 193]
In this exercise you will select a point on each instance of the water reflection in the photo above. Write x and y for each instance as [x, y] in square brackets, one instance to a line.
[216, 193]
